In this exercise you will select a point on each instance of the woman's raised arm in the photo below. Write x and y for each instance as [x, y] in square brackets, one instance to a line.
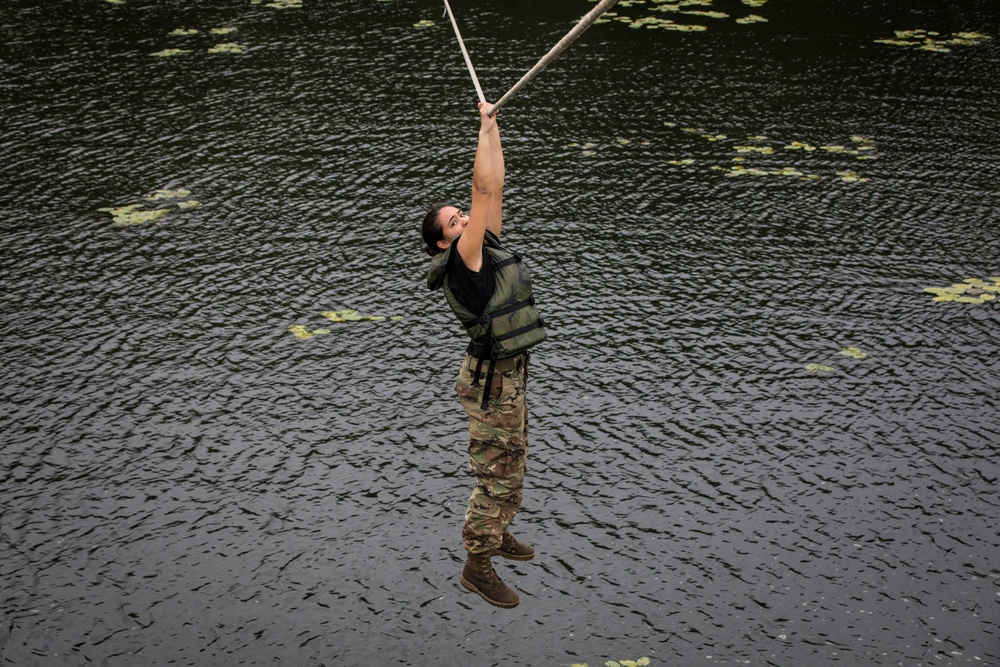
[486, 207]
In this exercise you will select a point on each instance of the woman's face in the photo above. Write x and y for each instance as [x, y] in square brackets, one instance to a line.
[453, 222]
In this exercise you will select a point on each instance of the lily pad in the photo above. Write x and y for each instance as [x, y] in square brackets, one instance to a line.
[222, 31]
[787, 171]
[168, 194]
[740, 170]
[228, 47]
[708, 14]
[166, 53]
[184, 31]
[125, 216]
[929, 40]
[818, 368]
[351, 315]
[752, 18]
[971, 290]
[300, 331]
[188, 205]
[854, 352]
[851, 177]
[341, 315]
[424, 24]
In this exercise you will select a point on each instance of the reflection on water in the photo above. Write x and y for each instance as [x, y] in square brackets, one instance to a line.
[185, 481]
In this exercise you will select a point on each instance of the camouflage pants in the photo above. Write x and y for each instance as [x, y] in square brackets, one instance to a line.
[498, 447]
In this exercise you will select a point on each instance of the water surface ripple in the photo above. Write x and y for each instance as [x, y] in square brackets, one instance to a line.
[184, 482]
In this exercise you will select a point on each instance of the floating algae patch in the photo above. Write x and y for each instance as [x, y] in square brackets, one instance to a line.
[786, 171]
[740, 170]
[222, 31]
[929, 40]
[851, 177]
[300, 331]
[971, 290]
[228, 47]
[761, 147]
[586, 149]
[340, 317]
[183, 32]
[706, 14]
[641, 662]
[166, 53]
[135, 214]
[853, 352]
[682, 7]
[168, 194]
[653, 22]
[350, 315]
[426, 23]
[281, 4]
[818, 368]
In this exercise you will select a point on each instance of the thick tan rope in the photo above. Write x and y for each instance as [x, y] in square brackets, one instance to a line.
[582, 24]
[468, 61]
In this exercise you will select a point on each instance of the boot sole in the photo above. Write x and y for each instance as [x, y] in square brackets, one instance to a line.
[495, 603]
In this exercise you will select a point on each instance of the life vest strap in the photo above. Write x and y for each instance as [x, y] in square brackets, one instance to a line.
[513, 259]
[486, 319]
[517, 332]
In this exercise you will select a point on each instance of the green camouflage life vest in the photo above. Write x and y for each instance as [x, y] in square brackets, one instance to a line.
[511, 323]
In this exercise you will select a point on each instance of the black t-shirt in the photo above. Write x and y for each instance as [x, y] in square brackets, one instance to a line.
[472, 289]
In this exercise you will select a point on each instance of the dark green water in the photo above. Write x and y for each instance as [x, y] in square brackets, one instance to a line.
[185, 482]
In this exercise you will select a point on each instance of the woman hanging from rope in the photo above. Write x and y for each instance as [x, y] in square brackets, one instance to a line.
[489, 289]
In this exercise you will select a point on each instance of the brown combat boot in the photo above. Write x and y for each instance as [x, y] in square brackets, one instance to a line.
[513, 549]
[479, 577]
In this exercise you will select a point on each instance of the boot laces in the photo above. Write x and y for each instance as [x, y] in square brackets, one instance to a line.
[486, 567]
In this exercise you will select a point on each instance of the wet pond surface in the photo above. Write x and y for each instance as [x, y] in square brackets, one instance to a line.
[184, 481]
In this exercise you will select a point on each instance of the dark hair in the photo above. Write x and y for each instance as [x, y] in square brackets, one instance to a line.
[432, 231]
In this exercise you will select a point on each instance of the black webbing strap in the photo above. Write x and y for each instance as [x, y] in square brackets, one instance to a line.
[513, 259]
[489, 374]
[507, 310]
[489, 382]
[517, 332]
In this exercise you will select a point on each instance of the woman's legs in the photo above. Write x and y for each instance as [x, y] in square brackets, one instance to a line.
[498, 448]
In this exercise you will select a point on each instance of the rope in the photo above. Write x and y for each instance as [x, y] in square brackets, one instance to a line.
[582, 24]
[468, 61]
